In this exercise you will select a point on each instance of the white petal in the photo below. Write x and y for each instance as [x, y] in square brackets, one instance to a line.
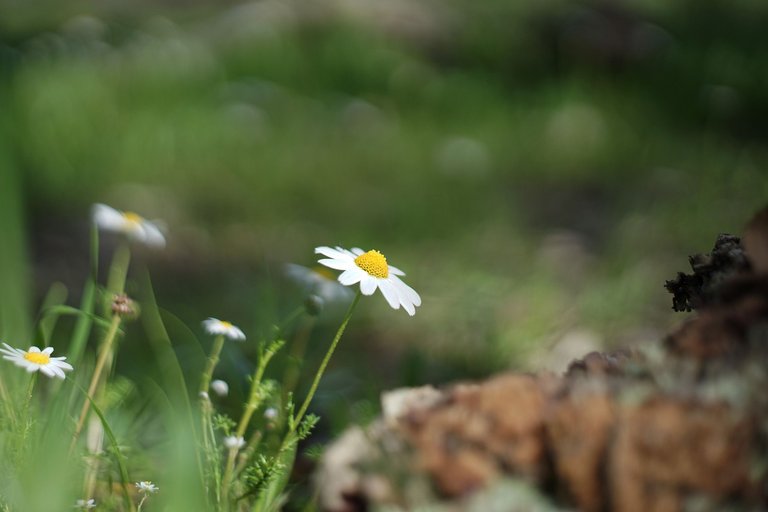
[404, 296]
[236, 334]
[336, 264]
[153, 237]
[332, 253]
[352, 276]
[63, 365]
[57, 372]
[406, 291]
[346, 251]
[107, 218]
[368, 285]
[31, 368]
[390, 293]
[33, 349]
[9, 350]
[48, 350]
[395, 270]
[212, 325]
[357, 251]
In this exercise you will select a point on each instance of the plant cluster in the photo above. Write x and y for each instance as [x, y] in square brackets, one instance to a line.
[71, 432]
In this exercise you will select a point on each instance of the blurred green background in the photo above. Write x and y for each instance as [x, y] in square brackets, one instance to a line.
[538, 168]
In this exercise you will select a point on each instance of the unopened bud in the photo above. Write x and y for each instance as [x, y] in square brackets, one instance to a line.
[220, 387]
[123, 306]
[314, 305]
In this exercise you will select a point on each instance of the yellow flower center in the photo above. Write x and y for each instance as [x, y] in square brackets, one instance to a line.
[37, 357]
[225, 324]
[132, 218]
[374, 263]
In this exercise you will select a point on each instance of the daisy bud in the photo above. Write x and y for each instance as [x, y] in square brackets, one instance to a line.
[314, 305]
[123, 306]
[234, 442]
[220, 387]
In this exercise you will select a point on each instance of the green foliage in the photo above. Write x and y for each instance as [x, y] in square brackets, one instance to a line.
[224, 423]
[531, 182]
[307, 424]
[261, 471]
[138, 430]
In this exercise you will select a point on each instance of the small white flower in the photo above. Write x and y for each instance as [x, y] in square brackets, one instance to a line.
[204, 395]
[216, 326]
[234, 442]
[371, 270]
[270, 413]
[220, 387]
[128, 223]
[146, 487]
[85, 504]
[319, 281]
[34, 360]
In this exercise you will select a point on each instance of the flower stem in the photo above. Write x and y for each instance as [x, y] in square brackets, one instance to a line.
[245, 455]
[296, 356]
[27, 404]
[106, 351]
[254, 401]
[213, 360]
[206, 410]
[290, 437]
[297, 419]
[226, 481]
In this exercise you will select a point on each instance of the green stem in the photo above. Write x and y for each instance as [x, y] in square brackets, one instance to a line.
[265, 502]
[245, 455]
[106, 350]
[213, 360]
[118, 273]
[226, 481]
[291, 317]
[211, 452]
[254, 401]
[298, 349]
[324, 364]
[28, 404]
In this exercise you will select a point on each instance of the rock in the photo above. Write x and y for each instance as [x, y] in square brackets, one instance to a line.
[678, 425]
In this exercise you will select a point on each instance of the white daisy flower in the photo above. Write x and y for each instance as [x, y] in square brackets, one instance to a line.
[234, 442]
[146, 487]
[319, 281]
[216, 326]
[34, 359]
[371, 270]
[220, 387]
[85, 504]
[128, 223]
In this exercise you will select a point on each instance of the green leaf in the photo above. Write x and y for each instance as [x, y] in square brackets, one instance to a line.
[56, 296]
[115, 448]
[69, 310]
